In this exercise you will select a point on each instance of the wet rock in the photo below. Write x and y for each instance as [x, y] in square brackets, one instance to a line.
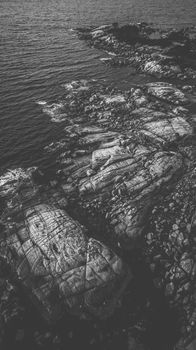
[115, 99]
[11, 180]
[153, 67]
[166, 92]
[167, 130]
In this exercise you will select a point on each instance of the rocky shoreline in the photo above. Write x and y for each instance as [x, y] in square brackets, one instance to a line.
[168, 54]
[110, 236]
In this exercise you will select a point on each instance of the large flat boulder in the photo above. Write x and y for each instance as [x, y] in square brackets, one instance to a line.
[59, 266]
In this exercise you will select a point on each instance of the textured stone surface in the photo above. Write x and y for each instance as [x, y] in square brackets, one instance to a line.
[136, 168]
[166, 92]
[54, 259]
[125, 170]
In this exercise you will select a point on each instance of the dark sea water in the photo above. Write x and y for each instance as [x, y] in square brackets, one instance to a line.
[39, 53]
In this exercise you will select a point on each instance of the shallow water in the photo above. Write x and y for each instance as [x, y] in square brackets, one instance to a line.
[39, 53]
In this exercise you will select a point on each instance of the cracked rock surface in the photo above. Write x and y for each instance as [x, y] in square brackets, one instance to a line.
[53, 257]
[135, 166]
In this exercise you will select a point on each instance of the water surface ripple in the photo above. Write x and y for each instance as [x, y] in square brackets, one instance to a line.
[39, 53]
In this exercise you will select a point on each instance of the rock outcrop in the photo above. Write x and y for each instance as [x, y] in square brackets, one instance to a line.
[161, 53]
[56, 262]
[133, 162]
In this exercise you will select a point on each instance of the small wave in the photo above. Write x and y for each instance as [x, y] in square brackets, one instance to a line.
[55, 111]
[110, 53]
[42, 103]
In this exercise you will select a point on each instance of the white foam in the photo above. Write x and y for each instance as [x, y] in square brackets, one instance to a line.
[42, 103]
[111, 53]
[10, 180]
[105, 59]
